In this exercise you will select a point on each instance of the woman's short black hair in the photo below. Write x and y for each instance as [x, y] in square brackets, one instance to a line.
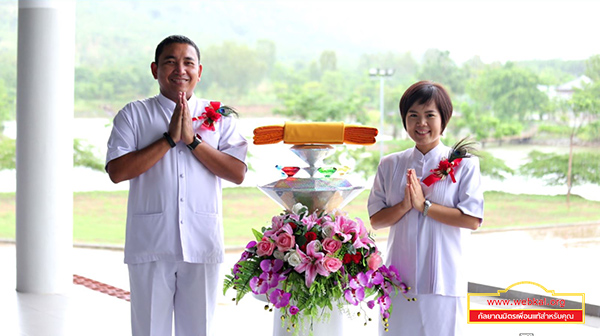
[422, 93]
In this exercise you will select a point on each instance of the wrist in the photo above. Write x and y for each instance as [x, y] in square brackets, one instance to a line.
[197, 140]
[426, 206]
[169, 139]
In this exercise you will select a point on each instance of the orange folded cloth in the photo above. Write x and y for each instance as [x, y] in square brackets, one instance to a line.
[315, 133]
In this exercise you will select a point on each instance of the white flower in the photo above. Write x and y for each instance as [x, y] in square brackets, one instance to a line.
[279, 255]
[328, 231]
[298, 207]
[293, 258]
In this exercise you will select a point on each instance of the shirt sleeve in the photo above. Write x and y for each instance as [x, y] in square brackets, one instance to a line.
[470, 195]
[232, 142]
[122, 137]
[377, 197]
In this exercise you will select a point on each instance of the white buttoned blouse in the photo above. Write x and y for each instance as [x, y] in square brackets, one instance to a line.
[174, 211]
[429, 255]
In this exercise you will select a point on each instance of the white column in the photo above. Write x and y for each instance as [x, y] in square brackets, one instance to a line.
[45, 83]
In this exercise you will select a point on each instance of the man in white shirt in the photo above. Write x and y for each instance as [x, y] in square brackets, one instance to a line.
[174, 235]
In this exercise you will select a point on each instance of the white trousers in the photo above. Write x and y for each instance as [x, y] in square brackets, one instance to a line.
[430, 315]
[161, 289]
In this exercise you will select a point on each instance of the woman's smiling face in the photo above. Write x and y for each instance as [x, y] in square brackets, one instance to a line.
[424, 125]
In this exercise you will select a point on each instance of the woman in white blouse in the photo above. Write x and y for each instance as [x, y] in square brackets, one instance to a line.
[428, 224]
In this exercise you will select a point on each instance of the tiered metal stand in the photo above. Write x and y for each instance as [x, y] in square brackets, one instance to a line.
[316, 193]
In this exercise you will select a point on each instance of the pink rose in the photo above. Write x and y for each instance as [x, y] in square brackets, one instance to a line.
[332, 264]
[331, 245]
[374, 261]
[285, 242]
[265, 247]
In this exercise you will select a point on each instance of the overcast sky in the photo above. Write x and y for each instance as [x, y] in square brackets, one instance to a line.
[494, 30]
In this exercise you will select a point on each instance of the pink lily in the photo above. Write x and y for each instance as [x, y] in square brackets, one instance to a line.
[310, 262]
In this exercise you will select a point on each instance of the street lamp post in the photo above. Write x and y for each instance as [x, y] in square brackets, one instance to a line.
[382, 74]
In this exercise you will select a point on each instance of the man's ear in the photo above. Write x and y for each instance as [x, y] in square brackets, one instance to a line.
[199, 72]
[154, 69]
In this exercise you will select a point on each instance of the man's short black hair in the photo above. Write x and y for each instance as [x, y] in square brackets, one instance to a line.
[174, 39]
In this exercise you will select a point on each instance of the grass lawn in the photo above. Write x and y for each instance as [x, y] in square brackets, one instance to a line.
[99, 217]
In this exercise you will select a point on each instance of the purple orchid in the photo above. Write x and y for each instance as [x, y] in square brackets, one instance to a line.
[279, 298]
[391, 273]
[259, 286]
[355, 294]
[384, 303]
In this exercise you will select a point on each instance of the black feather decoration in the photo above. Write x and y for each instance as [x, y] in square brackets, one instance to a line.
[464, 148]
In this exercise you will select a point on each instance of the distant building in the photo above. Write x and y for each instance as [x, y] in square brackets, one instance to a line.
[566, 90]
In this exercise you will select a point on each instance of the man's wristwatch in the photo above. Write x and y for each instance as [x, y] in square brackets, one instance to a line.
[195, 143]
[426, 207]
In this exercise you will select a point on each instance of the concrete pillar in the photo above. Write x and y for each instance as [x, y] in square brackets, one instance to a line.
[45, 85]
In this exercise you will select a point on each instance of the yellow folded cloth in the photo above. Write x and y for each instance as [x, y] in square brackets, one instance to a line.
[315, 133]
[318, 133]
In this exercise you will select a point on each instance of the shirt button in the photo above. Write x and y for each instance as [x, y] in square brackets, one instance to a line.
[181, 175]
[181, 222]
[181, 199]
[180, 152]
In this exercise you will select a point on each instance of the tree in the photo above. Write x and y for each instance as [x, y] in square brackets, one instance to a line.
[510, 93]
[328, 61]
[83, 155]
[7, 153]
[574, 117]
[313, 102]
[234, 67]
[592, 68]
[5, 106]
[554, 168]
[439, 67]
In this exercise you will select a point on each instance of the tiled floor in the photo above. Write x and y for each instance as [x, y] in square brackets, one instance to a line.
[85, 312]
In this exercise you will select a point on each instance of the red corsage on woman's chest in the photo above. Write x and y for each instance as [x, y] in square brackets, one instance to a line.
[446, 167]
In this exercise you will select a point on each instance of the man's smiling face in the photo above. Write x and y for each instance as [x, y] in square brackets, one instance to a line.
[177, 70]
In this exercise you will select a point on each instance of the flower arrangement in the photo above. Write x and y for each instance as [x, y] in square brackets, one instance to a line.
[212, 113]
[307, 262]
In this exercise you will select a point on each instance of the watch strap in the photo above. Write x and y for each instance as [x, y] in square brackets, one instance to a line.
[426, 207]
[195, 143]
[169, 139]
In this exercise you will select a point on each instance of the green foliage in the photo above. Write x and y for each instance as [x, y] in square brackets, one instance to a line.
[7, 153]
[313, 102]
[586, 101]
[233, 66]
[592, 68]
[555, 71]
[509, 93]
[439, 67]
[492, 166]
[554, 129]
[7, 105]
[591, 131]
[553, 167]
[83, 156]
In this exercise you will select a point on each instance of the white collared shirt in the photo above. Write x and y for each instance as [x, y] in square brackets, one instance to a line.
[174, 211]
[429, 255]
